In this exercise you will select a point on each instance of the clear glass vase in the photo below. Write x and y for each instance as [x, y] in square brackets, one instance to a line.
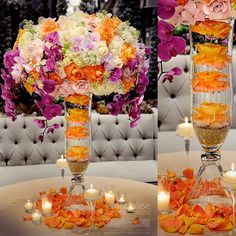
[78, 138]
[211, 102]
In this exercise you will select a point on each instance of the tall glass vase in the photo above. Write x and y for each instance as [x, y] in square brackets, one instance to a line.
[211, 101]
[78, 138]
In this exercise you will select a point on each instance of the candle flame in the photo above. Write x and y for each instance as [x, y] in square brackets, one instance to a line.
[62, 157]
[186, 119]
[232, 166]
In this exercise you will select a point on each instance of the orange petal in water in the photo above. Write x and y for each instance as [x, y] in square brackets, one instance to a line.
[77, 132]
[196, 229]
[79, 99]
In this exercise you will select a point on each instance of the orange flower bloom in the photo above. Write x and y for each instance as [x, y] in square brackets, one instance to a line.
[211, 114]
[29, 88]
[77, 132]
[212, 28]
[93, 73]
[209, 81]
[80, 99]
[127, 52]
[54, 76]
[20, 33]
[182, 2]
[48, 26]
[74, 73]
[127, 83]
[77, 115]
[212, 55]
[75, 153]
[108, 28]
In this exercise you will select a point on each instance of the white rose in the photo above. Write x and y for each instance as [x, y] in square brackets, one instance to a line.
[102, 49]
[118, 62]
[24, 42]
[116, 45]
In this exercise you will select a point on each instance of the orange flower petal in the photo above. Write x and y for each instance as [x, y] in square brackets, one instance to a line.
[79, 99]
[77, 115]
[136, 221]
[196, 229]
[77, 132]
[77, 153]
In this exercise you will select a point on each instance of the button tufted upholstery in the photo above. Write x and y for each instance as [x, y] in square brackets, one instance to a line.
[113, 140]
[174, 106]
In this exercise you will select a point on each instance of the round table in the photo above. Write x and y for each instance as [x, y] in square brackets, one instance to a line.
[177, 161]
[13, 196]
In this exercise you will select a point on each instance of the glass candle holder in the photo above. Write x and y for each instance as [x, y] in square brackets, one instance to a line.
[163, 195]
[28, 206]
[130, 208]
[110, 195]
[121, 197]
[36, 217]
[46, 206]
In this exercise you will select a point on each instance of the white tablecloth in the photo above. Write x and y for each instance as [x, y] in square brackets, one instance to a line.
[12, 199]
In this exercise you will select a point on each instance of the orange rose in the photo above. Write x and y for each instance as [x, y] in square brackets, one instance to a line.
[211, 114]
[212, 55]
[75, 153]
[127, 52]
[82, 100]
[77, 115]
[74, 73]
[212, 28]
[48, 26]
[54, 76]
[182, 2]
[77, 132]
[209, 81]
[93, 73]
[108, 28]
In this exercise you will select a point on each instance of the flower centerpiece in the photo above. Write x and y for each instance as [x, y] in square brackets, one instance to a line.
[65, 61]
[211, 30]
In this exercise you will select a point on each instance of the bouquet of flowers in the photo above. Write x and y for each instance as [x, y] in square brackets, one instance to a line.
[80, 54]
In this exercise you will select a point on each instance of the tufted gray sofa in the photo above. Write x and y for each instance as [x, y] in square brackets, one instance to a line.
[174, 106]
[117, 149]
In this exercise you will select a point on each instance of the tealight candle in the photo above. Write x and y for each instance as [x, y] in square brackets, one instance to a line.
[229, 178]
[110, 198]
[28, 206]
[121, 198]
[131, 208]
[36, 217]
[46, 206]
[163, 201]
[185, 129]
[61, 163]
[91, 193]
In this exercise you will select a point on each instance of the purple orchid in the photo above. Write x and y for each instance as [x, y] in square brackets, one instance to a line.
[52, 111]
[115, 75]
[165, 31]
[52, 128]
[142, 83]
[50, 64]
[167, 50]
[52, 37]
[49, 85]
[40, 123]
[166, 8]
[47, 100]
[170, 74]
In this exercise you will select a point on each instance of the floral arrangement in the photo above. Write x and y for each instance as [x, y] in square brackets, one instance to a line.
[63, 218]
[194, 219]
[77, 54]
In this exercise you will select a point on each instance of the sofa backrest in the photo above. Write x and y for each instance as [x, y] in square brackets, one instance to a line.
[112, 140]
[173, 98]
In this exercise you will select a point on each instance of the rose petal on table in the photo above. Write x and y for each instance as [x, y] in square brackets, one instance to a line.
[136, 221]
[52, 222]
[68, 225]
[63, 190]
[116, 214]
[184, 210]
[27, 218]
[170, 224]
[198, 211]
[183, 229]
[196, 229]
[188, 173]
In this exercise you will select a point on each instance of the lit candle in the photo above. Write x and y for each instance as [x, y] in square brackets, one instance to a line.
[28, 206]
[185, 129]
[121, 199]
[91, 193]
[229, 178]
[46, 206]
[61, 163]
[110, 198]
[131, 208]
[163, 201]
[36, 217]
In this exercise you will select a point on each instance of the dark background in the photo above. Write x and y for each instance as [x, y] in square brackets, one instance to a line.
[140, 13]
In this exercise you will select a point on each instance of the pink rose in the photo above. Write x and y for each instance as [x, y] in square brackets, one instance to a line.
[81, 87]
[217, 9]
